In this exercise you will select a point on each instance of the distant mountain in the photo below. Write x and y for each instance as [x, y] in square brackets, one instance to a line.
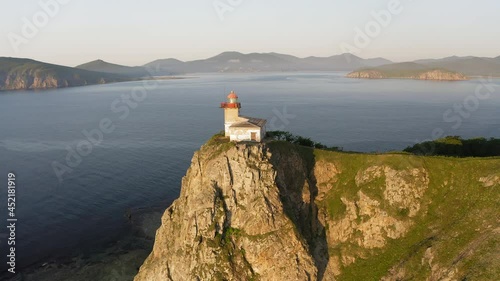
[446, 59]
[374, 62]
[17, 73]
[106, 67]
[21, 74]
[408, 70]
[471, 66]
[289, 58]
[348, 62]
[264, 62]
[170, 66]
[271, 62]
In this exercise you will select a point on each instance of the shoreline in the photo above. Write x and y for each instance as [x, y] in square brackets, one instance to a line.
[117, 82]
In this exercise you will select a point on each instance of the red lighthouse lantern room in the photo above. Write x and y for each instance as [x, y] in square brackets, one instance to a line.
[232, 101]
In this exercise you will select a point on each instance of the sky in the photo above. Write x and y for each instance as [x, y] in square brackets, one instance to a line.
[133, 32]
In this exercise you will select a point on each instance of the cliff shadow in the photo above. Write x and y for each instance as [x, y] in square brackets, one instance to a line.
[298, 190]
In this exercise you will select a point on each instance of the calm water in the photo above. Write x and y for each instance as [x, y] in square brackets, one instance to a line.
[141, 163]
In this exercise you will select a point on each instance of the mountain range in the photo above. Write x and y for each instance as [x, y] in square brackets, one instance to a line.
[19, 73]
[272, 62]
[264, 62]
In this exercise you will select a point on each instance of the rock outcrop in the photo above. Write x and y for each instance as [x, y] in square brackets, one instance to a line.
[280, 212]
[229, 223]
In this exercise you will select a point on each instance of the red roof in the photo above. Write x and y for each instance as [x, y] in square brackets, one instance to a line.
[232, 95]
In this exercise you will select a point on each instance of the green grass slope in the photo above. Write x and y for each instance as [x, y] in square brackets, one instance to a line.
[454, 234]
[458, 222]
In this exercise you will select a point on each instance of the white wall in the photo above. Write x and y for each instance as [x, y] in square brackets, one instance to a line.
[244, 134]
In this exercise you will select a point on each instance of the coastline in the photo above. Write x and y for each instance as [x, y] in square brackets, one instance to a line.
[99, 84]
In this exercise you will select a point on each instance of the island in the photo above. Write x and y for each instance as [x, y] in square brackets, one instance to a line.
[408, 70]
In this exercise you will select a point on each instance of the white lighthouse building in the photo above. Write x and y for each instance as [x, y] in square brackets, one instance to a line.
[241, 128]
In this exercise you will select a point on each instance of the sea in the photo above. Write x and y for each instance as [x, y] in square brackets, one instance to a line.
[85, 157]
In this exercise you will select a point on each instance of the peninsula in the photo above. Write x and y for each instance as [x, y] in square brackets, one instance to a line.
[280, 211]
[27, 74]
[408, 70]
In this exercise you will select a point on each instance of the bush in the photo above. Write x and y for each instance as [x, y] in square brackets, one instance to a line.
[299, 140]
[458, 147]
[281, 136]
[304, 141]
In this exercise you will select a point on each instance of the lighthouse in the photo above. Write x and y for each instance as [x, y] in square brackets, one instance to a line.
[231, 111]
[241, 128]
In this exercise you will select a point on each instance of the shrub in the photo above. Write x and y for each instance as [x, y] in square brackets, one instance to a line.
[299, 140]
[458, 147]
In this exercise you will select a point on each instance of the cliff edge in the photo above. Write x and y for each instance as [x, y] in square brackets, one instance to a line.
[277, 211]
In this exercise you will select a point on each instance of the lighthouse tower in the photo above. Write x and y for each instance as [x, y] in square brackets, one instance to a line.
[241, 128]
[231, 111]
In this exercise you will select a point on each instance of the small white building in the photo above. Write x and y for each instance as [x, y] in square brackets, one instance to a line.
[241, 128]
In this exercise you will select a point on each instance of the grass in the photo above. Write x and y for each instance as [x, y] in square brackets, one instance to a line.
[453, 212]
[220, 143]
[456, 210]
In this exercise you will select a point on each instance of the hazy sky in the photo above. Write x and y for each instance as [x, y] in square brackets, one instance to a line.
[134, 32]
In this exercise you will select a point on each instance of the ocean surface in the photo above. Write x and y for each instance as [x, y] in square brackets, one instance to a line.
[157, 125]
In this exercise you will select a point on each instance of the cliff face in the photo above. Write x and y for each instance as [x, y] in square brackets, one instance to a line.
[281, 212]
[439, 75]
[38, 80]
[229, 223]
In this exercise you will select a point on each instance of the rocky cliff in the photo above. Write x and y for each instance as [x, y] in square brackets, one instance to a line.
[281, 212]
[39, 80]
[26, 74]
